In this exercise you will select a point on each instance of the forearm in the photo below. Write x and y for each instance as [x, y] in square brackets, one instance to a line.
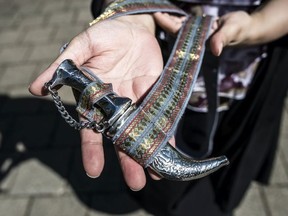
[270, 22]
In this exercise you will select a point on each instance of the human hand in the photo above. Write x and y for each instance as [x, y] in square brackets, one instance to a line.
[234, 28]
[231, 29]
[123, 52]
[267, 23]
[238, 28]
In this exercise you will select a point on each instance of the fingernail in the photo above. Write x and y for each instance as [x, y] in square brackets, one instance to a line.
[220, 49]
[135, 190]
[90, 176]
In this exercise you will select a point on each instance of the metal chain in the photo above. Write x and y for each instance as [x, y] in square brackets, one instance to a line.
[68, 118]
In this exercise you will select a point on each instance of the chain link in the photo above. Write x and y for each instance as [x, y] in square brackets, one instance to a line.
[68, 118]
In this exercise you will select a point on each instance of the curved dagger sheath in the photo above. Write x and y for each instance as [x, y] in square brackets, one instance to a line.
[168, 162]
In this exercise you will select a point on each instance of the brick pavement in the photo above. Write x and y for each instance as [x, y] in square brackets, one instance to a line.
[40, 165]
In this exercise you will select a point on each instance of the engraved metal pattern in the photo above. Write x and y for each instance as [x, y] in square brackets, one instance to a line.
[88, 98]
[172, 165]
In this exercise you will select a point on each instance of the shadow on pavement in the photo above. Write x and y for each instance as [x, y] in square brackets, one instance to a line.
[32, 128]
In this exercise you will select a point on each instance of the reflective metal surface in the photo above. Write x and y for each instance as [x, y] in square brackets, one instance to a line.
[68, 74]
[173, 165]
[168, 162]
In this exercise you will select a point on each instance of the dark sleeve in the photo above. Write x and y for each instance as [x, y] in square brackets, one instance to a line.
[96, 7]
[281, 42]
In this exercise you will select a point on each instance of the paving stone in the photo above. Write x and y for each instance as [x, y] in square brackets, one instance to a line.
[54, 6]
[11, 206]
[283, 140]
[17, 75]
[8, 181]
[4, 91]
[41, 67]
[8, 11]
[7, 8]
[77, 4]
[84, 16]
[68, 33]
[7, 23]
[30, 8]
[8, 15]
[46, 52]
[38, 35]
[42, 173]
[19, 91]
[30, 21]
[284, 124]
[9, 37]
[62, 18]
[279, 173]
[60, 206]
[284, 148]
[251, 204]
[8, 173]
[277, 200]
[13, 54]
[67, 96]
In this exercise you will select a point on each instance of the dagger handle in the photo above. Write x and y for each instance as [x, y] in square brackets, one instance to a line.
[68, 74]
[113, 107]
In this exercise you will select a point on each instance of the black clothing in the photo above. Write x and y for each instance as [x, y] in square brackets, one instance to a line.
[247, 134]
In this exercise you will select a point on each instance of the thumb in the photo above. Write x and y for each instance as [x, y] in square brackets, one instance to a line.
[232, 31]
[78, 50]
[223, 36]
[217, 43]
[226, 35]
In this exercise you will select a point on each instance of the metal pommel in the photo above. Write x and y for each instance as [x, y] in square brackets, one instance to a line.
[68, 74]
[168, 162]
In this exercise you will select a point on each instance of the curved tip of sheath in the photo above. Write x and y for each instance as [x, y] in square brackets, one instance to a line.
[173, 165]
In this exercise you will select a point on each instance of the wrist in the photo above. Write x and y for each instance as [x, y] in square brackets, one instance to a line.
[246, 26]
[256, 34]
[145, 21]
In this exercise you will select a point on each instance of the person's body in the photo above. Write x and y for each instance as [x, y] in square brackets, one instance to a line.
[240, 127]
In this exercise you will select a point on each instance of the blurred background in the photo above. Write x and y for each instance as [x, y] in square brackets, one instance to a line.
[41, 171]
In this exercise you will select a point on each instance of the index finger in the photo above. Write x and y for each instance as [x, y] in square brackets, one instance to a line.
[78, 50]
